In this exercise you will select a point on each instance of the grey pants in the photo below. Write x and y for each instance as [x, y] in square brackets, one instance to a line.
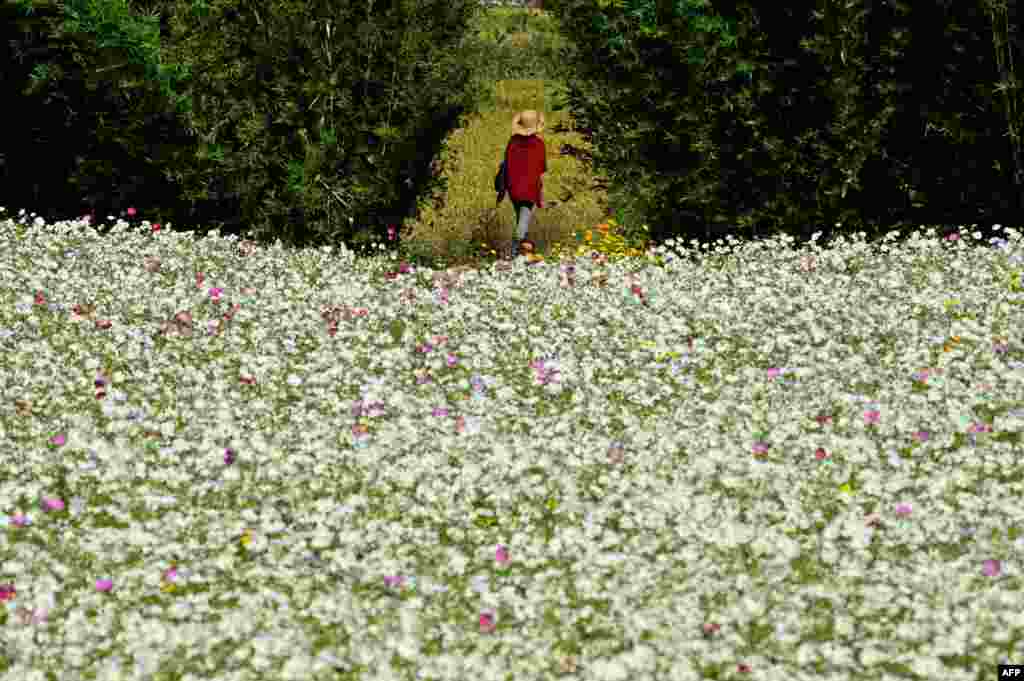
[522, 211]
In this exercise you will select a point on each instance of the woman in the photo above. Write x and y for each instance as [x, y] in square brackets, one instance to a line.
[527, 162]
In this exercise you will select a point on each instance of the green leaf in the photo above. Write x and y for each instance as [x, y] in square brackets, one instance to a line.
[397, 329]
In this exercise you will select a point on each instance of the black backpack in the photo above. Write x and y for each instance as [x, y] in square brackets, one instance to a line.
[501, 179]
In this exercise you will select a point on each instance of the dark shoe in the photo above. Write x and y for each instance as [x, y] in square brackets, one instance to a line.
[510, 250]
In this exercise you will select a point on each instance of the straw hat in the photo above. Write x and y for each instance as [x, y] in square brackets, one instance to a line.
[527, 122]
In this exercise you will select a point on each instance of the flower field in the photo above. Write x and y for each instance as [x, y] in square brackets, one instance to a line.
[236, 462]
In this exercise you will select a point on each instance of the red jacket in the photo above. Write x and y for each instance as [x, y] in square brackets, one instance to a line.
[527, 161]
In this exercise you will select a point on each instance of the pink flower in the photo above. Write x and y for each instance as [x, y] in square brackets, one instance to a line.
[820, 453]
[773, 372]
[393, 581]
[104, 585]
[53, 504]
[710, 628]
[760, 448]
[488, 621]
[19, 520]
[953, 237]
[131, 212]
[7, 592]
[171, 574]
[903, 509]
[215, 293]
[921, 435]
[871, 416]
[27, 617]
[58, 440]
[501, 554]
[991, 568]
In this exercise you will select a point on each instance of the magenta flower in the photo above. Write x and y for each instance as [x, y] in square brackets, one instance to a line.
[53, 504]
[452, 360]
[440, 412]
[772, 373]
[395, 580]
[903, 509]
[20, 520]
[131, 212]
[229, 457]
[871, 416]
[215, 293]
[760, 448]
[7, 592]
[922, 435]
[58, 439]
[501, 554]
[488, 621]
[991, 568]
[104, 585]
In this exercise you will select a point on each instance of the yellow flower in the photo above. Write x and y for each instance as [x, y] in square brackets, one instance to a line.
[246, 538]
[167, 587]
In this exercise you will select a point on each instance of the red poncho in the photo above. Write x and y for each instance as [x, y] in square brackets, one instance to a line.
[527, 161]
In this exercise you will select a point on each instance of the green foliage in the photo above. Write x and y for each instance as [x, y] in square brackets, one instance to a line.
[92, 98]
[638, 89]
[122, 40]
[317, 115]
[780, 125]
[952, 159]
